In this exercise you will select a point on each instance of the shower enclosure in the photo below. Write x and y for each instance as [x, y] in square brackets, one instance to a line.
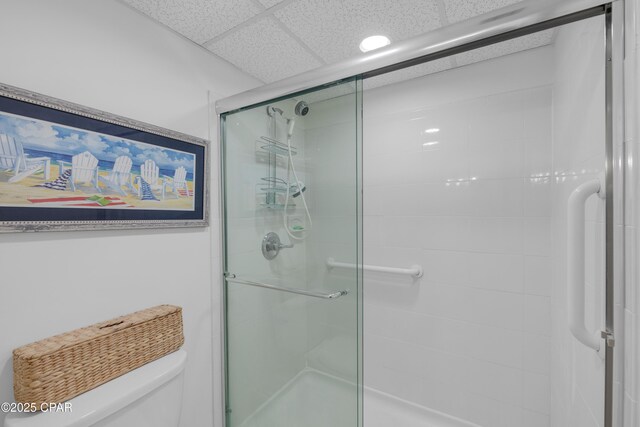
[430, 243]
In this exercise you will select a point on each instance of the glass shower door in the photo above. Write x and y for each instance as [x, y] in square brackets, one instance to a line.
[291, 171]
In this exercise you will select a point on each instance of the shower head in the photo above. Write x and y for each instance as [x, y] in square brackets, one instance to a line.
[301, 109]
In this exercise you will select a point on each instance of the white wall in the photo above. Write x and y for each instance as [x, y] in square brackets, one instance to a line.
[471, 337]
[103, 55]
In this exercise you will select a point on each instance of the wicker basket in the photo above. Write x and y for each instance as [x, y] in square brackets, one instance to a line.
[61, 367]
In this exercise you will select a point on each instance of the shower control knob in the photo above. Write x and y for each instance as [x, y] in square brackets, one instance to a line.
[271, 245]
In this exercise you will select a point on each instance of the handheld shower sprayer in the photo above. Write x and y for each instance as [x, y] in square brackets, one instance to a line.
[292, 123]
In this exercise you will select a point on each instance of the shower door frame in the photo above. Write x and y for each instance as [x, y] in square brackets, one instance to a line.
[502, 25]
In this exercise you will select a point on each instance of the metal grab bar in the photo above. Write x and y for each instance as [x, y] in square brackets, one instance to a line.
[232, 278]
[575, 262]
[415, 270]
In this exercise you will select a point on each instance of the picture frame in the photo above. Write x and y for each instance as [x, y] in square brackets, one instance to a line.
[67, 167]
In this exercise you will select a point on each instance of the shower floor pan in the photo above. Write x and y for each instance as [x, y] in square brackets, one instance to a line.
[315, 399]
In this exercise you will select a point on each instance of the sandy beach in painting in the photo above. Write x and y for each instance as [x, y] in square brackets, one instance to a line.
[20, 193]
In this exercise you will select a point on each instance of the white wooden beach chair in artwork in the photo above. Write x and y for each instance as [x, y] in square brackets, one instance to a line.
[150, 172]
[84, 169]
[177, 183]
[119, 176]
[13, 158]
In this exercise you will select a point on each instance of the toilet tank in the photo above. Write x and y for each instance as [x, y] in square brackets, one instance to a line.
[150, 396]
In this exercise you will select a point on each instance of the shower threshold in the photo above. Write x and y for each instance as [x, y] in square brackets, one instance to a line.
[315, 399]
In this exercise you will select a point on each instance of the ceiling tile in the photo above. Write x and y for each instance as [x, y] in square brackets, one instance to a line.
[408, 73]
[333, 29]
[198, 20]
[504, 48]
[459, 10]
[265, 51]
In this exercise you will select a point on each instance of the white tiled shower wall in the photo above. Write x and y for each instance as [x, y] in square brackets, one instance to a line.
[472, 204]
[331, 157]
[578, 156]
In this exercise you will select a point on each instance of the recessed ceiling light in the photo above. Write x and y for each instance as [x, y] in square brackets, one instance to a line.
[430, 143]
[374, 42]
[432, 130]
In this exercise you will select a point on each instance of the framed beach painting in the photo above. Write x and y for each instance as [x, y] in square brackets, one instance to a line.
[68, 167]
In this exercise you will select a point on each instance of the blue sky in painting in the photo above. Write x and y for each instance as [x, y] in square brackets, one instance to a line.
[45, 136]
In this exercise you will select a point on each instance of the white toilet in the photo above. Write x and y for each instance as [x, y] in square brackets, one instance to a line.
[150, 396]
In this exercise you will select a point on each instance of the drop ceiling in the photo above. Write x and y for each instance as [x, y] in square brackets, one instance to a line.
[275, 39]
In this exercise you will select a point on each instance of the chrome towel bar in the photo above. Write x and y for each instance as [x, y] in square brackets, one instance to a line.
[234, 279]
[415, 270]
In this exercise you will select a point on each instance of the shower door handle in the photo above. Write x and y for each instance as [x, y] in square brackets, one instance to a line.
[576, 262]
